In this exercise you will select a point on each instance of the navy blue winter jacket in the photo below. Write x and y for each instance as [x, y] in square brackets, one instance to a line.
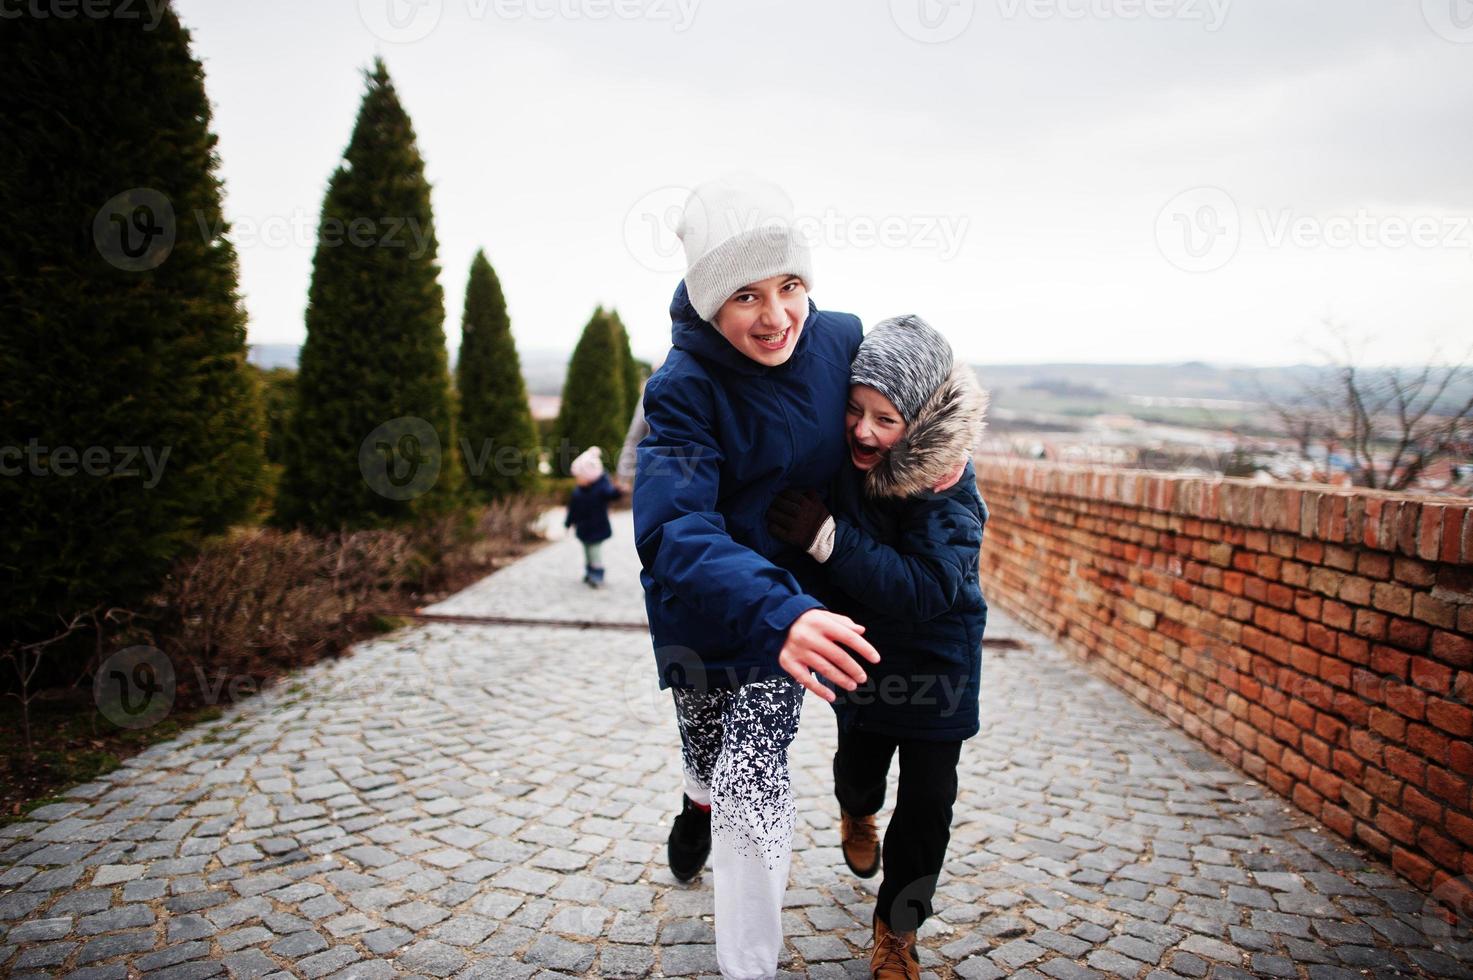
[907, 569]
[588, 510]
[726, 435]
[904, 563]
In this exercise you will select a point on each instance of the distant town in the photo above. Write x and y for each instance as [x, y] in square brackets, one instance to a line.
[1268, 423]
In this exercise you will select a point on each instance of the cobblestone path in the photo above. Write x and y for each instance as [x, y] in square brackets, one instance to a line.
[492, 801]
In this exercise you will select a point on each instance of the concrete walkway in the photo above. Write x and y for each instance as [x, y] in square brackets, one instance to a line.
[492, 801]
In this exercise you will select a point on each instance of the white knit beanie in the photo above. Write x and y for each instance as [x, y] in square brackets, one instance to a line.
[589, 465]
[737, 230]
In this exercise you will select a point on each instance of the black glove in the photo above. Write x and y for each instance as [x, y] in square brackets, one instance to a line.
[797, 517]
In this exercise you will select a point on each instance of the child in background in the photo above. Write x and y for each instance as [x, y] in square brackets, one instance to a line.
[903, 559]
[588, 511]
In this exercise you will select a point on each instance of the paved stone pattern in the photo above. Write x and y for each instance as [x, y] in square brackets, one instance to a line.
[474, 801]
[540, 587]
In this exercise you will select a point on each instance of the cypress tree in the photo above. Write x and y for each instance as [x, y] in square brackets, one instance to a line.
[123, 373]
[499, 439]
[279, 397]
[371, 442]
[594, 395]
[633, 376]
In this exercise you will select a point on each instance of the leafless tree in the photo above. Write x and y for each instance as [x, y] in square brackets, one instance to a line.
[1392, 422]
[26, 659]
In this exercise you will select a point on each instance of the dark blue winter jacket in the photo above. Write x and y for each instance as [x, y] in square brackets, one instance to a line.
[588, 510]
[726, 435]
[904, 563]
[907, 570]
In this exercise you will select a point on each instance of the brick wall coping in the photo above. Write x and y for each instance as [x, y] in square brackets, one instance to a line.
[1431, 528]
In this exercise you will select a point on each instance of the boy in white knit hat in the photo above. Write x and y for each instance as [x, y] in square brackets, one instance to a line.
[750, 399]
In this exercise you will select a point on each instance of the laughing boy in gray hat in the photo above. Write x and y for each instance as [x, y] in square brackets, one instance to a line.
[903, 559]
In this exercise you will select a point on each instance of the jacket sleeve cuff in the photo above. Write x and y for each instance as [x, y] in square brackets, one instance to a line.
[781, 619]
[823, 543]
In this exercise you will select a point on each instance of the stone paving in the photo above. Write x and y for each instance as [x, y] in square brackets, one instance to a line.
[491, 801]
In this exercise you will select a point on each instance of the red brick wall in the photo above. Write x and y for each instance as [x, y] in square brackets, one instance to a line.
[1319, 639]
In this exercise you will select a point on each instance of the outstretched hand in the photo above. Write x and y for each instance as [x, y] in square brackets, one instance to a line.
[813, 644]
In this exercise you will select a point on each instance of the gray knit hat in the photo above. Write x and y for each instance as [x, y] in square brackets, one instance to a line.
[736, 230]
[904, 359]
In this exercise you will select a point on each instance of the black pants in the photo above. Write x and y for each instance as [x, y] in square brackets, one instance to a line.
[915, 842]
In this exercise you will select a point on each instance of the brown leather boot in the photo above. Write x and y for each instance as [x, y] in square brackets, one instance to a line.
[894, 956]
[860, 843]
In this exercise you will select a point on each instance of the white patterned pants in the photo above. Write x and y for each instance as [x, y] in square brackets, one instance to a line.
[734, 747]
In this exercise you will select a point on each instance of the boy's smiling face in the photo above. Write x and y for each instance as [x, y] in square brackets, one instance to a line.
[763, 320]
[871, 426]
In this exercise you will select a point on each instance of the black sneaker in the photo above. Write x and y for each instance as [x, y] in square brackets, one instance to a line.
[690, 840]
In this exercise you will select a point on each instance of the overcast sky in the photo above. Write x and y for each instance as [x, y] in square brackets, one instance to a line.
[1044, 180]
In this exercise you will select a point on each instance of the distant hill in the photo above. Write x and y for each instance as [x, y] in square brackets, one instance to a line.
[270, 356]
[1192, 379]
[1095, 387]
[1090, 388]
[543, 369]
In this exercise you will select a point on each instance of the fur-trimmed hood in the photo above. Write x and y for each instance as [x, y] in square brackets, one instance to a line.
[947, 426]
